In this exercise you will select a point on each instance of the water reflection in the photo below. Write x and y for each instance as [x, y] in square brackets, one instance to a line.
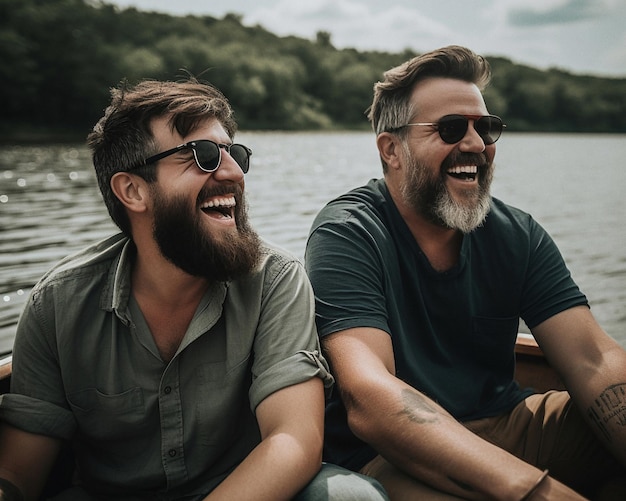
[49, 206]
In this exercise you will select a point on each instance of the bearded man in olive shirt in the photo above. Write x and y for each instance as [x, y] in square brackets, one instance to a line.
[179, 358]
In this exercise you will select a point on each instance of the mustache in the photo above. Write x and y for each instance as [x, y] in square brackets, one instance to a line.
[462, 158]
[215, 191]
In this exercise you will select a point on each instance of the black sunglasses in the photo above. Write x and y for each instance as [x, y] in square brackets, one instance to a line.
[208, 154]
[452, 128]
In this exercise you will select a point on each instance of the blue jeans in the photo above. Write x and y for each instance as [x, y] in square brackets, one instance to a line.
[334, 483]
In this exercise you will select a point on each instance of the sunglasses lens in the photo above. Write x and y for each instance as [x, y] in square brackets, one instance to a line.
[452, 128]
[241, 155]
[489, 128]
[207, 155]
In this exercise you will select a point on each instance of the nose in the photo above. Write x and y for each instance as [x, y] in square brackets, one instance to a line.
[472, 142]
[229, 169]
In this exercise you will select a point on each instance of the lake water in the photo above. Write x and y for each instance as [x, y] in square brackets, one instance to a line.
[572, 184]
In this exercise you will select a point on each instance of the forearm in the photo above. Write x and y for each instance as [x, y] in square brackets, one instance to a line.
[278, 468]
[25, 462]
[607, 415]
[604, 403]
[593, 367]
[434, 448]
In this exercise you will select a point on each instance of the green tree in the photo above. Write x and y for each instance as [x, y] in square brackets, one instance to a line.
[58, 59]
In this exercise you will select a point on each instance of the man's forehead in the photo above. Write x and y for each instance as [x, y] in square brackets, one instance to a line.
[447, 95]
[164, 130]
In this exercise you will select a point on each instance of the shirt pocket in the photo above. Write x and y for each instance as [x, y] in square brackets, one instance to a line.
[108, 416]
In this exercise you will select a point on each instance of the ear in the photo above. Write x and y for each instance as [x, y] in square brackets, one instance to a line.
[131, 190]
[389, 149]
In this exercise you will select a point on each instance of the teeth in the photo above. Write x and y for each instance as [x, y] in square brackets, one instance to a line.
[463, 169]
[219, 202]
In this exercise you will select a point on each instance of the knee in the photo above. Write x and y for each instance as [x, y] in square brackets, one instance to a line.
[334, 483]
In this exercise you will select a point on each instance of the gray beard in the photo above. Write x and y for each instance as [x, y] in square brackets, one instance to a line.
[429, 197]
[460, 216]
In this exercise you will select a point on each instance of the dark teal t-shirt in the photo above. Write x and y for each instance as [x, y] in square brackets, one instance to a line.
[453, 333]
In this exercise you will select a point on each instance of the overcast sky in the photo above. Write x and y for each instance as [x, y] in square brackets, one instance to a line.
[581, 36]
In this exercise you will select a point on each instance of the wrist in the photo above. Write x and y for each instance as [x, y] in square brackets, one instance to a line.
[536, 486]
[547, 488]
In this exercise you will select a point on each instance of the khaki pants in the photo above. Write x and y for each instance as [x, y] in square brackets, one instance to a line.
[545, 430]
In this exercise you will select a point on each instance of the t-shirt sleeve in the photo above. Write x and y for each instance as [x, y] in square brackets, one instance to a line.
[345, 265]
[286, 346]
[549, 287]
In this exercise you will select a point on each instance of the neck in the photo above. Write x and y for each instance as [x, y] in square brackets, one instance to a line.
[156, 279]
[167, 297]
[441, 245]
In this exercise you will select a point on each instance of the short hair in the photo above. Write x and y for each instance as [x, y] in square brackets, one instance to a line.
[123, 138]
[391, 107]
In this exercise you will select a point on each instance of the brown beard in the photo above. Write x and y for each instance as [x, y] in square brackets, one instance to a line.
[428, 195]
[183, 240]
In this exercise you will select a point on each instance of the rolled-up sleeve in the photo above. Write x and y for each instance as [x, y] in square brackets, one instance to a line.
[286, 346]
[37, 402]
[36, 416]
[298, 368]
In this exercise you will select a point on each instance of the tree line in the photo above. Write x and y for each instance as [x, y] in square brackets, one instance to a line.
[59, 58]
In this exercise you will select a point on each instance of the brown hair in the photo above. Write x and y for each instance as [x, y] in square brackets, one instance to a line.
[391, 107]
[122, 138]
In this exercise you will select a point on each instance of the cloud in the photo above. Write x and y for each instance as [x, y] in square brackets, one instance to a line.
[615, 55]
[352, 23]
[579, 35]
[559, 12]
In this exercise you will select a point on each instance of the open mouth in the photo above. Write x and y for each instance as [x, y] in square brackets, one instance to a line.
[463, 172]
[222, 207]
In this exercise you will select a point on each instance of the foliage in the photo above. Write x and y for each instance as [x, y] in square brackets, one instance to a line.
[60, 57]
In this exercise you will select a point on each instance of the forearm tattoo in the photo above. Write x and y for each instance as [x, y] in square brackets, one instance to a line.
[609, 407]
[417, 408]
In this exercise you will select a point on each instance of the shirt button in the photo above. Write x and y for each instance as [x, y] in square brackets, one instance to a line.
[167, 390]
[172, 452]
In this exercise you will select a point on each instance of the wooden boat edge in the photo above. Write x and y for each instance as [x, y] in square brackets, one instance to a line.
[6, 367]
[531, 370]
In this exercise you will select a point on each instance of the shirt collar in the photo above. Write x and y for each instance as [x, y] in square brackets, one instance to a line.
[116, 292]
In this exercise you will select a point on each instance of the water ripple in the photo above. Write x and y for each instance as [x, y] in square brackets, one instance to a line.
[50, 205]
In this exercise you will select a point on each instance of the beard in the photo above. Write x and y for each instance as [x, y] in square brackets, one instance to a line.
[428, 194]
[185, 242]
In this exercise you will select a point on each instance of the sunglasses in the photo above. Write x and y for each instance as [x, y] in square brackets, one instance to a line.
[208, 154]
[452, 128]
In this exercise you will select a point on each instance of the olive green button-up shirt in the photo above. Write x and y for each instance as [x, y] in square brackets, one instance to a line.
[86, 369]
